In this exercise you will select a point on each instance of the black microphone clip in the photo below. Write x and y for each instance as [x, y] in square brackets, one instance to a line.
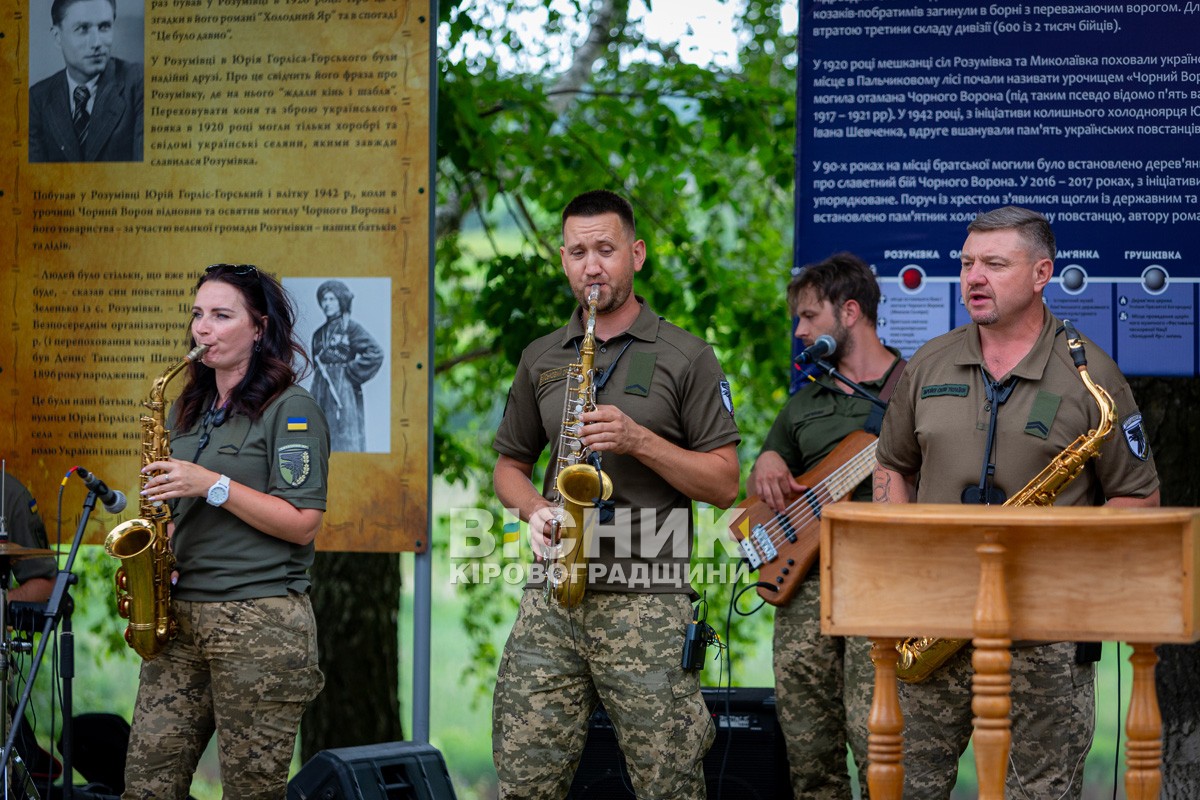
[113, 500]
[824, 346]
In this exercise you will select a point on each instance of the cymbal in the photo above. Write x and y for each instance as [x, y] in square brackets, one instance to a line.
[14, 550]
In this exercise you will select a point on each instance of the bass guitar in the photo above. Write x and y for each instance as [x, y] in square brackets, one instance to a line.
[783, 546]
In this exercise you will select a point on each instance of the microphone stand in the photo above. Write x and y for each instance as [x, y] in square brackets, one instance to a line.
[858, 390]
[59, 600]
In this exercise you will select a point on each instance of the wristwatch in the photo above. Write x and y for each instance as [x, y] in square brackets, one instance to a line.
[219, 492]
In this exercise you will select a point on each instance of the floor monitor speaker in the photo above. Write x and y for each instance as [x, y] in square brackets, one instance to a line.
[747, 761]
[393, 771]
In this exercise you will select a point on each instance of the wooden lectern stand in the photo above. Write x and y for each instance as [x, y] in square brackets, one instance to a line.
[997, 574]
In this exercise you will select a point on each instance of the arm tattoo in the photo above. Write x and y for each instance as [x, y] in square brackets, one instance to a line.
[882, 486]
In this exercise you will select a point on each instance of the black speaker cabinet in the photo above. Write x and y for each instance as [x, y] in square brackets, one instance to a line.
[747, 761]
[393, 771]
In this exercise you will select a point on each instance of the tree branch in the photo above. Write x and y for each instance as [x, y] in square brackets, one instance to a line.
[470, 355]
[608, 17]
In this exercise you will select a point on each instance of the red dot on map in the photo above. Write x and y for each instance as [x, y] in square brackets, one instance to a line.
[911, 278]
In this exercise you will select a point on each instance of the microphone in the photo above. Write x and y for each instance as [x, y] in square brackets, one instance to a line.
[113, 500]
[822, 347]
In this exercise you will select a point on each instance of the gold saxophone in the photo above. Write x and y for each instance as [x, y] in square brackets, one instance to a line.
[920, 656]
[578, 483]
[143, 581]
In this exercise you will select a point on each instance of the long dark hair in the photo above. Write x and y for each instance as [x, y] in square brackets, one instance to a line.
[272, 362]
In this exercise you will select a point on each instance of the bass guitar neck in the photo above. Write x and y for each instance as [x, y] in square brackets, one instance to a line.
[784, 546]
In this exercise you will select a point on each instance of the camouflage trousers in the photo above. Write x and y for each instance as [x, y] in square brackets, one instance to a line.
[623, 650]
[245, 669]
[1053, 719]
[823, 688]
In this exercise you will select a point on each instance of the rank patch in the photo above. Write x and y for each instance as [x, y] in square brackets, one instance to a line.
[640, 375]
[1042, 414]
[294, 461]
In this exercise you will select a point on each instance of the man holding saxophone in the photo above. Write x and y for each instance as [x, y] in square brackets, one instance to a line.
[661, 428]
[979, 412]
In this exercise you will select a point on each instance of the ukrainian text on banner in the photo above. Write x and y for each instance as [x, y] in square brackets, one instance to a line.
[289, 134]
[914, 117]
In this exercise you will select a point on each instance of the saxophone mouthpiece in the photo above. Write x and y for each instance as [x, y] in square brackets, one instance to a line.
[1075, 344]
[197, 352]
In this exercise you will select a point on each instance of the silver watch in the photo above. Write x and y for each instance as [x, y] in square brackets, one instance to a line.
[219, 492]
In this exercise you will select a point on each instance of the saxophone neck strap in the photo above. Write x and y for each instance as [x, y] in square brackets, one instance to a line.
[603, 377]
[997, 394]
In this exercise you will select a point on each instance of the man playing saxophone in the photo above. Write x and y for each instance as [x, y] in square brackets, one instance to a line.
[663, 431]
[978, 413]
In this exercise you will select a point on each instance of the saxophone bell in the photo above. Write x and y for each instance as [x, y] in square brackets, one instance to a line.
[143, 581]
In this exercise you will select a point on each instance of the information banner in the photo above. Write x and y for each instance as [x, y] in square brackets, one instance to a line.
[916, 116]
[289, 134]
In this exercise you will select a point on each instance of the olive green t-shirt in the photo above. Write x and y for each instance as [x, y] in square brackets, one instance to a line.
[818, 417]
[284, 453]
[664, 379]
[25, 527]
[937, 422]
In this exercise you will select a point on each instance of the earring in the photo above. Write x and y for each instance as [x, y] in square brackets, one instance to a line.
[258, 345]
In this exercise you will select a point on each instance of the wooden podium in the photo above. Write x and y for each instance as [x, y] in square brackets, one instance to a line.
[996, 574]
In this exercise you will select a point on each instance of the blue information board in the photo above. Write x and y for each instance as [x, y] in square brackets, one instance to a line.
[914, 117]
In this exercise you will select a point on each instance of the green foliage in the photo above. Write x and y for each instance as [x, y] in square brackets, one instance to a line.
[703, 152]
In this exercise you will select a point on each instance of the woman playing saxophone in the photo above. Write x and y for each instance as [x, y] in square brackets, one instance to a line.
[246, 483]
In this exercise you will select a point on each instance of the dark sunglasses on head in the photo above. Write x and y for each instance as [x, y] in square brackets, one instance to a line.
[236, 269]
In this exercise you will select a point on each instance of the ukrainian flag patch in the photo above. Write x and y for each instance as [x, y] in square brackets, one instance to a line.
[33, 506]
[297, 423]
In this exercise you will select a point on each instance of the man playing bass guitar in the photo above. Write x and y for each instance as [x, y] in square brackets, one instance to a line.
[823, 684]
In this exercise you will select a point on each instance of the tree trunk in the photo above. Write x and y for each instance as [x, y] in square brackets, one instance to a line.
[356, 597]
[1168, 407]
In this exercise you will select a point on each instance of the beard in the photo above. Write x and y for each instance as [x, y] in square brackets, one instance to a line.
[845, 345]
[612, 296]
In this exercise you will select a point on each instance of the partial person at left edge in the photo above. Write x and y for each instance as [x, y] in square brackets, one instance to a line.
[91, 110]
[33, 577]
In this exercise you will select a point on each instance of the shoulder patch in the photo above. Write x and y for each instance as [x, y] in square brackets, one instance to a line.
[945, 390]
[1135, 436]
[295, 462]
[726, 397]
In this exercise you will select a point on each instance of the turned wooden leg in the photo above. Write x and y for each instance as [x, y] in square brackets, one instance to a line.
[885, 726]
[991, 685]
[1143, 729]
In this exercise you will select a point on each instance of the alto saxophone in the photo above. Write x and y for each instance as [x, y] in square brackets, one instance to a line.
[920, 656]
[579, 482]
[143, 582]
